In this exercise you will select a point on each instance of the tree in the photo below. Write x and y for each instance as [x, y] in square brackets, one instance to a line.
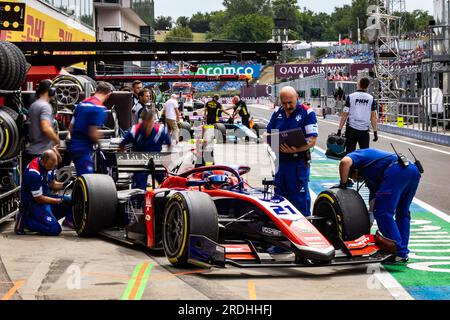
[183, 22]
[163, 23]
[179, 34]
[247, 7]
[199, 22]
[320, 53]
[287, 10]
[249, 28]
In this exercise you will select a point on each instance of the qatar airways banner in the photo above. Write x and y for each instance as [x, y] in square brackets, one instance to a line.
[231, 69]
[314, 69]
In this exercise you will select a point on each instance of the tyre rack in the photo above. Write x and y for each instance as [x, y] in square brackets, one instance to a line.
[10, 199]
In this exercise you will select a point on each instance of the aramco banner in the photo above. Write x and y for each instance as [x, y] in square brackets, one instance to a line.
[313, 69]
[231, 69]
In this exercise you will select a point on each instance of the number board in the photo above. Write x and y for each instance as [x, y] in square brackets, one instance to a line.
[12, 16]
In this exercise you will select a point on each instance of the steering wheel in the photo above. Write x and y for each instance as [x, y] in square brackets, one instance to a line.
[235, 173]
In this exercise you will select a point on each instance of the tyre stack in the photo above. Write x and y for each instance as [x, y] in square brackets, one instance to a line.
[13, 70]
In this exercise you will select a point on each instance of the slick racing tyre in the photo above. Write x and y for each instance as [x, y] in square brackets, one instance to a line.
[345, 215]
[220, 132]
[187, 213]
[185, 131]
[95, 204]
[13, 66]
[10, 141]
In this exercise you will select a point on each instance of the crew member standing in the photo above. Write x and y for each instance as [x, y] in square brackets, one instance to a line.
[89, 116]
[172, 115]
[42, 135]
[213, 109]
[39, 209]
[137, 87]
[392, 188]
[360, 112]
[240, 107]
[146, 136]
[292, 176]
[144, 97]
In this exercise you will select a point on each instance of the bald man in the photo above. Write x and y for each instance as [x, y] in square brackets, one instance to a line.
[39, 209]
[292, 176]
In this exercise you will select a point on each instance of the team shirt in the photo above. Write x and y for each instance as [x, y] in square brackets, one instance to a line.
[359, 106]
[241, 108]
[36, 182]
[213, 111]
[88, 113]
[142, 143]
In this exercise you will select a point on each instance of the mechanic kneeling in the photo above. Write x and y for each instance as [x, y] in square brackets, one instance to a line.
[39, 209]
[146, 136]
[292, 176]
[392, 184]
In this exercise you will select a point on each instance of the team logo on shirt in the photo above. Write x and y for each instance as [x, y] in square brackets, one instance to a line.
[298, 118]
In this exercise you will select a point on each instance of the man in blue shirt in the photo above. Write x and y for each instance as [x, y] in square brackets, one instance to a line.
[146, 136]
[292, 176]
[88, 118]
[392, 189]
[39, 209]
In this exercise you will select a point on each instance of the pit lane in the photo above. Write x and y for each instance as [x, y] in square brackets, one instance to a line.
[68, 267]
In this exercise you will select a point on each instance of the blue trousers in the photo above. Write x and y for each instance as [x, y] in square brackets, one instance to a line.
[140, 180]
[291, 182]
[392, 202]
[43, 218]
[84, 162]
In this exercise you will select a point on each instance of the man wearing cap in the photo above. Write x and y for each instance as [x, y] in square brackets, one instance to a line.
[213, 110]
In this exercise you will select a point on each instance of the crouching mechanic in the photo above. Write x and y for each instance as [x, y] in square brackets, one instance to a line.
[146, 136]
[392, 189]
[292, 176]
[39, 209]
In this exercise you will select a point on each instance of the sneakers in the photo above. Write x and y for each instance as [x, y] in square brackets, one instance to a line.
[19, 227]
[395, 260]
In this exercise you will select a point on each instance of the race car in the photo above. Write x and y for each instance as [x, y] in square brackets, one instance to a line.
[211, 217]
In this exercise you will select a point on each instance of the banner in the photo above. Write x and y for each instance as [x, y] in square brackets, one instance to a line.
[256, 91]
[234, 69]
[308, 70]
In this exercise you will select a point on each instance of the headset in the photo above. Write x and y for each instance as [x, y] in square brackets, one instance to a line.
[46, 85]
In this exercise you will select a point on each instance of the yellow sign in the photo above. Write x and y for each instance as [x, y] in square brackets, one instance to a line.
[400, 122]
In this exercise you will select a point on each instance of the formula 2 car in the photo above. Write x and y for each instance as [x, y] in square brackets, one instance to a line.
[209, 216]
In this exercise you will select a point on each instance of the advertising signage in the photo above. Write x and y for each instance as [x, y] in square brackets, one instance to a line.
[313, 69]
[234, 69]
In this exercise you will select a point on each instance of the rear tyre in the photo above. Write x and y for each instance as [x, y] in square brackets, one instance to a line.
[345, 214]
[187, 213]
[95, 204]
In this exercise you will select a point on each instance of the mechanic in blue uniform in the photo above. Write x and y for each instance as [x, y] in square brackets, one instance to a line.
[39, 209]
[392, 189]
[292, 176]
[146, 136]
[88, 118]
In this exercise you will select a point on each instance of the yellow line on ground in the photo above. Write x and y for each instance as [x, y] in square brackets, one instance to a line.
[251, 290]
[13, 290]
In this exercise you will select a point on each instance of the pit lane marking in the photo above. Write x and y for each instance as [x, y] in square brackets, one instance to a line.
[251, 290]
[138, 282]
[13, 290]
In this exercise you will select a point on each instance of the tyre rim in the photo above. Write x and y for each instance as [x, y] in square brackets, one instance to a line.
[67, 93]
[327, 211]
[79, 205]
[174, 230]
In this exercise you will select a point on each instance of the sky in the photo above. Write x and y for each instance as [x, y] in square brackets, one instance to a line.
[176, 8]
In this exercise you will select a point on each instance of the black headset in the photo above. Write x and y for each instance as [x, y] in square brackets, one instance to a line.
[44, 86]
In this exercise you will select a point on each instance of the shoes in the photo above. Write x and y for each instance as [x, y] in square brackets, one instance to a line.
[395, 260]
[19, 227]
[68, 223]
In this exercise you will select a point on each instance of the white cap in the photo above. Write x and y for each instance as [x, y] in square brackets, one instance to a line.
[174, 96]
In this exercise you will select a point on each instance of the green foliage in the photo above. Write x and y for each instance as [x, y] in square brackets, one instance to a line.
[163, 23]
[320, 52]
[199, 22]
[183, 22]
[179, 34]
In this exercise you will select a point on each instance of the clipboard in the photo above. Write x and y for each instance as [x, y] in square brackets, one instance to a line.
[293, 138]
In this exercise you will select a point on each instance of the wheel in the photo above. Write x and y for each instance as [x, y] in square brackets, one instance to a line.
[20, 64]
[220, 132]
[9, 134]
[11, 71]
[3, 66]
[345, 214]
[95, 204]
[257, 128]
[187, 213]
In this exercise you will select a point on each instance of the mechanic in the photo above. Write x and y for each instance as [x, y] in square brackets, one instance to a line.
[88, 117]
[39, 209]
[213, 110]
[144, 97]
[392, 188]
[146, 136]
[137, 87]
[172, 115]
[292, 176]
[41, 133]
[360, 110]
[240, 107]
